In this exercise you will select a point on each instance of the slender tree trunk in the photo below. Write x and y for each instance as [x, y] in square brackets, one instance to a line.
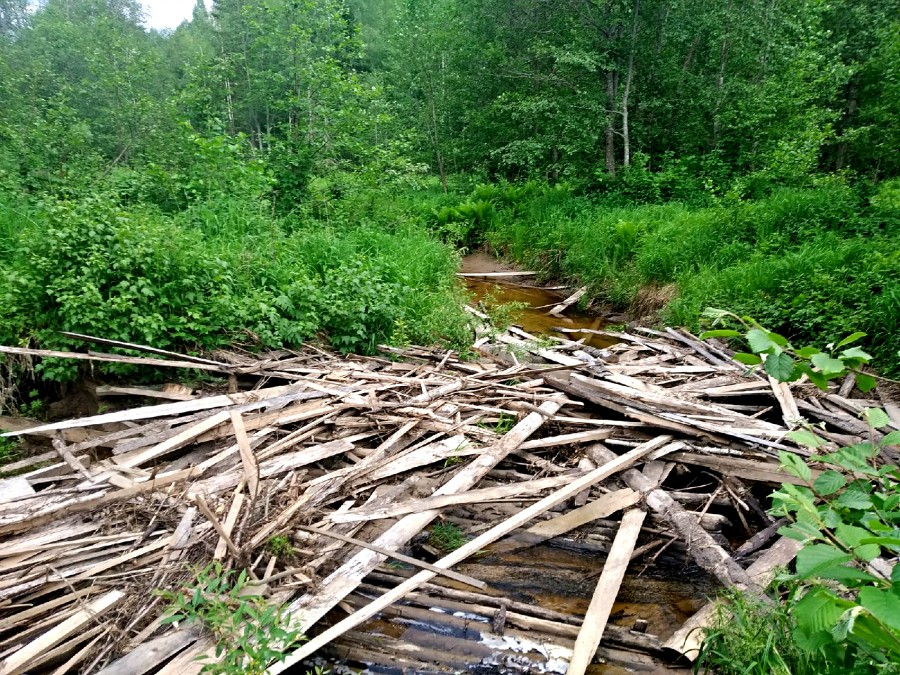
[611, 86]
[626, 133]
[689, 57]
[435, 139]
[840, 156]
[720, 79]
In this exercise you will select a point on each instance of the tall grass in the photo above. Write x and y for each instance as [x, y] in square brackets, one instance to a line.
[750, 637]
[812, 264]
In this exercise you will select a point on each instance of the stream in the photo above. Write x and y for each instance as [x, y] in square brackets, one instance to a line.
[538, 300]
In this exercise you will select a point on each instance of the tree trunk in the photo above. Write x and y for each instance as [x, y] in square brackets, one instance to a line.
[840, 157]
[626, 134]
[611, 86]
[720, 80]
[435, 139]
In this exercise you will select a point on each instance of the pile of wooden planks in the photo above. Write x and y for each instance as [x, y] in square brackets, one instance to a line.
[310, 470]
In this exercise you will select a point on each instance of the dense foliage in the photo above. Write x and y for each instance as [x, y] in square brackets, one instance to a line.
[268, 172]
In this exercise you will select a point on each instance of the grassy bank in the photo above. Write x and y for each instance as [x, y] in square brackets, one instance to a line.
[221, 272]
[810, 264]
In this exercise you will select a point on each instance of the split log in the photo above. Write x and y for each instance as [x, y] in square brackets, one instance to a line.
[686, 641]
[702, 547]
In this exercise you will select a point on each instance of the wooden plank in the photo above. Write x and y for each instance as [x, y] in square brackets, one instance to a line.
[789, 412]
[456, 576]
[12, 489]
[601, 507]
[145, 348]
[747, 469]
[521, 489]
[571, 300]
[606, 592]
[660, 443]
[228, 526]
[149, 392]
[248, 459]
[166, 409]
[568, 439]
[114, 358]
[307, 610]
[149, 655]
[494, 275]
[20, 660]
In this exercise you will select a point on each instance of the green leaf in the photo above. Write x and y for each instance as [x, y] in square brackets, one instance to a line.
[817, 557]
[760, 341]
[806, 352]
[850, 535]
[867, 552]
[795, 465]
[856, 353]
[780, 366]
[853, 337]
[892, 542]
[855, 499]
[800, 531]
[845, 573]
[884, 605]
[805, 437]
[828, 365]
[876, 417]
[865, 382]
[719, 334]
[820, 610]
[892, 438]
[747, 359]
[829, 482]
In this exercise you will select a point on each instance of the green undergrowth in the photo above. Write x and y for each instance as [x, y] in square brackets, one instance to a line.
[219, 272]
[806, 262]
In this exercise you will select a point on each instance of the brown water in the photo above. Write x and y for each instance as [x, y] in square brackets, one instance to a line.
[539, 300]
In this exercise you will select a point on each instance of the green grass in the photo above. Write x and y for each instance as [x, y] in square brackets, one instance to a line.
[446, 537]
[749, 637]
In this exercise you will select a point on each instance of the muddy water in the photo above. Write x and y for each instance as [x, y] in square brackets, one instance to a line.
[538, 300]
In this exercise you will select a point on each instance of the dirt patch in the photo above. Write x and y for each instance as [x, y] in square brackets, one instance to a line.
[480, 262]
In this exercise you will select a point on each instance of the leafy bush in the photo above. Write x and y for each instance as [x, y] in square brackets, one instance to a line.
[806, 262]
[249, 632]
[221, 272]
[843, 614]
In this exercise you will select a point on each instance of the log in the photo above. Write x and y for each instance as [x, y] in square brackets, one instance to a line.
[702, 547]
[686, 641]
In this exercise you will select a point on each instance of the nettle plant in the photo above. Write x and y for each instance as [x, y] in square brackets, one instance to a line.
[847, 515]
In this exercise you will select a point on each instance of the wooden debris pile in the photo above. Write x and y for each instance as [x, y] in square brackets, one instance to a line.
[315, 469]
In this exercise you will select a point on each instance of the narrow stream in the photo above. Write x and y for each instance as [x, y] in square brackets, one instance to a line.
[534, 318]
